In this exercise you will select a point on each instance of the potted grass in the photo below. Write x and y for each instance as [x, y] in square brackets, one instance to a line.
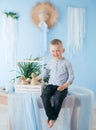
[28, 69]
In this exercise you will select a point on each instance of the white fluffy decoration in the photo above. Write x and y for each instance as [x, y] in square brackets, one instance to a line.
[8, 38]
[76, 29]
[44, 27]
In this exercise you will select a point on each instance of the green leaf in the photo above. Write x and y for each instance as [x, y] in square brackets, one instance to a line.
[27, 68]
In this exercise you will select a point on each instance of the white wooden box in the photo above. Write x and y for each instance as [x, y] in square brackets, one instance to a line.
[19, 88]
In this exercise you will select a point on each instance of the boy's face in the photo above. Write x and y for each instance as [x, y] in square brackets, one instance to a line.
[57, 51]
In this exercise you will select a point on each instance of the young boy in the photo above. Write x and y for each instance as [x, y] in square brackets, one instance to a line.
[61, 76]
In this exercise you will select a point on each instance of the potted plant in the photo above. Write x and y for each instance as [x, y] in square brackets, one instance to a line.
[26, 68]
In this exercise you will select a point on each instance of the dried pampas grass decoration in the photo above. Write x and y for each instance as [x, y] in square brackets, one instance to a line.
[44, 12]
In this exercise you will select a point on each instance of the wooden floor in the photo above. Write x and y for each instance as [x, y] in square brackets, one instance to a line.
[4, 118]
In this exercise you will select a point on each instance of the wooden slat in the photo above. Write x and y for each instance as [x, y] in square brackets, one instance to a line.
[3, 99]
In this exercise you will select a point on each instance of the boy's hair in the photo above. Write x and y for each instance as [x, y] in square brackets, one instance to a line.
[56, 42]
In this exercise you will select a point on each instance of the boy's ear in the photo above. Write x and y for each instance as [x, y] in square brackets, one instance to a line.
[63, 50]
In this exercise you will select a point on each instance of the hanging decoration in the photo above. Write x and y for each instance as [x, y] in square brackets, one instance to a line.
[76, 29]
[45, 16]
[45, 12]
[8, 45]
[44, 27]
[9, 36]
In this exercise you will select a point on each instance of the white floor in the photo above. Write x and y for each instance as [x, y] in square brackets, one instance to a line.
[94, 120]
[4, 118]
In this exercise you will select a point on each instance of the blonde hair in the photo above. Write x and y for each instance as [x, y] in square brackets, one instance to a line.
[56, 42]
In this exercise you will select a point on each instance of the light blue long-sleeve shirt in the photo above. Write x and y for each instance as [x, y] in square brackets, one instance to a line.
[60, 72]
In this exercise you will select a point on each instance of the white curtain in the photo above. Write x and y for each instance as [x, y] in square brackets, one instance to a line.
[76, 29]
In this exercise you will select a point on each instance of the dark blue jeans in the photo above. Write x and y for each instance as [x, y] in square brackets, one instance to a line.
[52, 111]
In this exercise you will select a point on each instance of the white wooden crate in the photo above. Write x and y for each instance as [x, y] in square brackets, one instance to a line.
[28, 88]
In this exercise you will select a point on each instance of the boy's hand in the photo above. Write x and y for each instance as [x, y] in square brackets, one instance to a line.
[61, 88]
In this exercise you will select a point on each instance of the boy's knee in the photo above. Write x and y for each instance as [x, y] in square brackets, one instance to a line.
[43, 96]
[58, 100]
